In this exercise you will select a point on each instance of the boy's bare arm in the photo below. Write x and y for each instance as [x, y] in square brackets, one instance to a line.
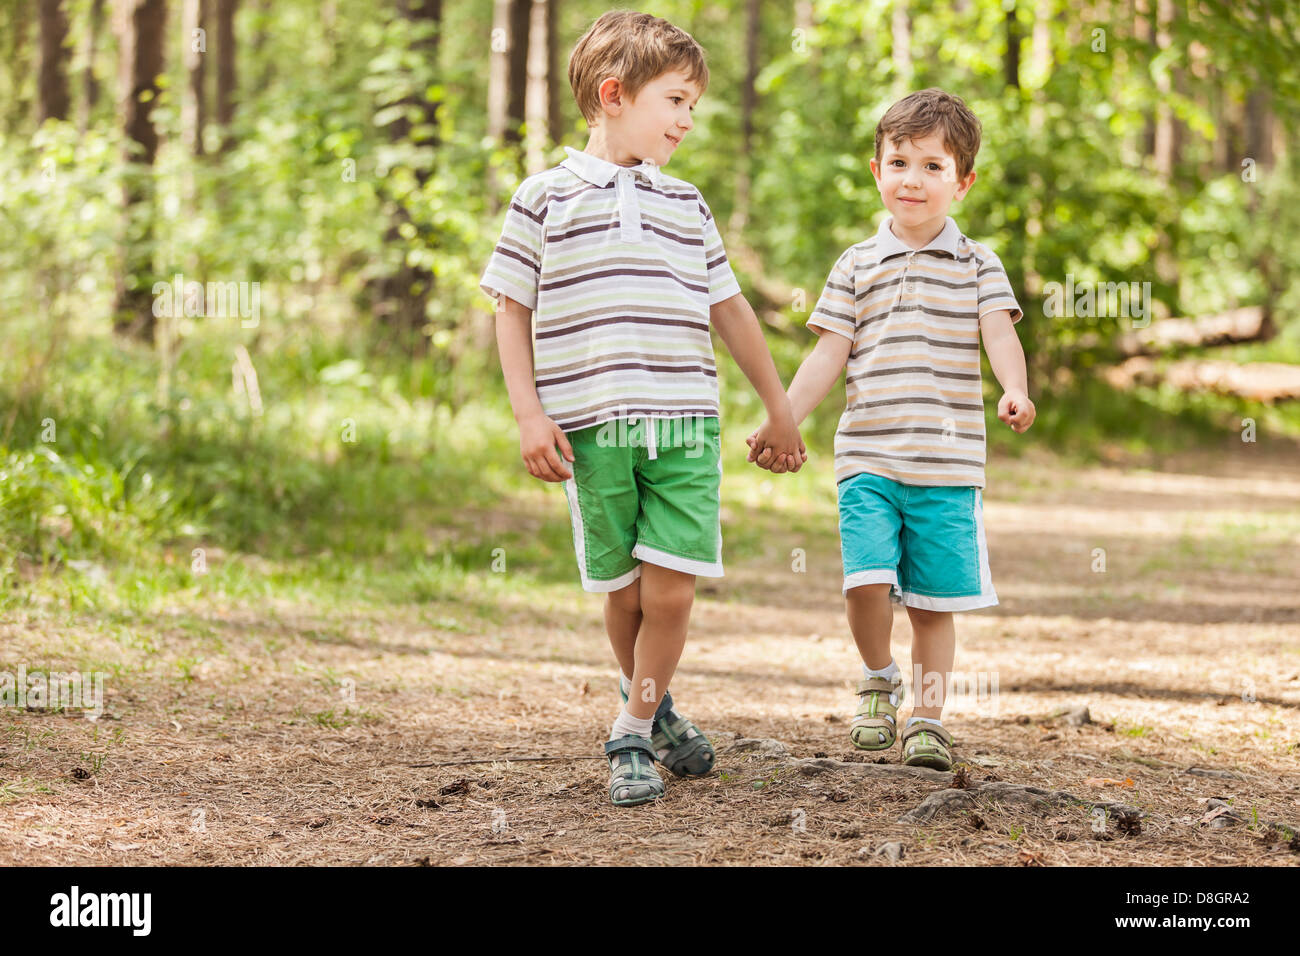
[738, 326]
[815, 378]
[538, 434]
[1007, 359]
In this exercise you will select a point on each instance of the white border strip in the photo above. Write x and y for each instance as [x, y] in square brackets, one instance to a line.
[686, 565]
[580, 548]
[872, 576]
[622, 581]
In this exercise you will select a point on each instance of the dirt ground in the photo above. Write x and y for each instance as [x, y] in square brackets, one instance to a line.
[308, 738]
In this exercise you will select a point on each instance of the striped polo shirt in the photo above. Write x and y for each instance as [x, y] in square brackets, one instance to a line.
[915, 409]
[620, 266]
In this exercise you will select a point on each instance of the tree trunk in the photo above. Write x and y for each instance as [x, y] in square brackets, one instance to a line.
[141, 24]
[1011, 59]
[902, 48]
[748, 103]
[539, 100]
[401, 300]
[226, 79]
[1162, 152]
[194, 112]
[52, 83]
[507, 81]
[89, 83]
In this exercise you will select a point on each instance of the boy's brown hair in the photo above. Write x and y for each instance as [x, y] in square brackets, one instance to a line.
[636, 48]
[927, 111]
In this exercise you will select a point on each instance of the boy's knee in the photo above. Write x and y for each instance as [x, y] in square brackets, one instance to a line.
[921, 615]
[669, 598]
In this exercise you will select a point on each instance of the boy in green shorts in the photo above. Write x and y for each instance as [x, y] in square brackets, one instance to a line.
[905, 310]
[623, 270]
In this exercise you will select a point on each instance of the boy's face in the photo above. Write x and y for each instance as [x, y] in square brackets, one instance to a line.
[918, 181]
[653, 125]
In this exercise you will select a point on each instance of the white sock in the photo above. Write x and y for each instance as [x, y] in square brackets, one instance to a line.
[888, 673]
[627, 724]
[933, 720]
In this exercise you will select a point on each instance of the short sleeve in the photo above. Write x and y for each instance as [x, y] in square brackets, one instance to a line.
[516, 264]
[836, 309]
[722, 281]
[995, 288]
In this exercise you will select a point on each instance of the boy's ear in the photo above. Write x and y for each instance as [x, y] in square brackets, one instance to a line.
[875, 168]
[611, 95]
[964, 186]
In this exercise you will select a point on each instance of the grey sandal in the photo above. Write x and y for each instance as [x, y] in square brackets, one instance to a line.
[680, 745]
[633, 778]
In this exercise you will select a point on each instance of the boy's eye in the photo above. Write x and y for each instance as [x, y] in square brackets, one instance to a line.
[676, 99]
[934, 166]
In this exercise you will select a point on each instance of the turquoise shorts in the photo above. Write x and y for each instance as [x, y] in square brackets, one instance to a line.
[925, 541]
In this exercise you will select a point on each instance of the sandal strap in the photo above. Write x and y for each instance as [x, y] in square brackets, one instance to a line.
[628, 744]
[881, 684]
[934, 730]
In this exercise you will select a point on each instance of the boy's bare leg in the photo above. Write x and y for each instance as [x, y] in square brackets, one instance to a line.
[666, 599]
[934, 643]
[623, 622]
[871, 619]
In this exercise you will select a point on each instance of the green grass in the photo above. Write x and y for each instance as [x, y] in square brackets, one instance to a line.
[141, 505]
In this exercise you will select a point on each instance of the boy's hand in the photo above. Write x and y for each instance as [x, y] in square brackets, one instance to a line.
[777, 447]
[538, 436]
[1016, 410]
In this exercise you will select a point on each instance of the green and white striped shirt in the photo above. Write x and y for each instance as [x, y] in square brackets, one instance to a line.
[620, 266]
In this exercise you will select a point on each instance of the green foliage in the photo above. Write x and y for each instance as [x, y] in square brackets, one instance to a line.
[152, 455]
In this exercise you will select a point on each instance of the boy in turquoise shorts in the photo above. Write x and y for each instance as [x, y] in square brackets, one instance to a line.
[622, 269]
[905, 310]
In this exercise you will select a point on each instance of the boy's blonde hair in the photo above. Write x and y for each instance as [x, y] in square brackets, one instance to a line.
[635, 48]
[928, 111]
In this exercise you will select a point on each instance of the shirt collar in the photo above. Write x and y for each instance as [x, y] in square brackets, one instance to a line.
[601, 172]
[890, 245]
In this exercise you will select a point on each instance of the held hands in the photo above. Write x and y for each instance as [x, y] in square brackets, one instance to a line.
[1016, 410]
[538, 436]
[777, 447]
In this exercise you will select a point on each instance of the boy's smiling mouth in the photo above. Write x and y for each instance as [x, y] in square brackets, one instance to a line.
[669, 137]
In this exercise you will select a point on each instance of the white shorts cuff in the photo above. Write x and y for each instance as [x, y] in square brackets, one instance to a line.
[603, 587]
[871, 576]
[707, 569]
[968, 603]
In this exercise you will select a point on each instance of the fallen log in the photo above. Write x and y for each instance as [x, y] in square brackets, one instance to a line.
[1247, 324]
[1266, 382]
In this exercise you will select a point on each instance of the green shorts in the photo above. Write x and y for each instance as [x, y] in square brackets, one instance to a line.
[643, 493]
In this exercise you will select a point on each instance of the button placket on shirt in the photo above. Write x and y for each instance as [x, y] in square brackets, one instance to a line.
[906, 285]
[629, 207]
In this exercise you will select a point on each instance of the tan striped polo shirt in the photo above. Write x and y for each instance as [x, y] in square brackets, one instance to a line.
[620, 266]
[915, 409]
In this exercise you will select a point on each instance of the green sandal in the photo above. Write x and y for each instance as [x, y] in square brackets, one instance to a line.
[679, 744]
[926, 744]
[875, 723]
[633, 778]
